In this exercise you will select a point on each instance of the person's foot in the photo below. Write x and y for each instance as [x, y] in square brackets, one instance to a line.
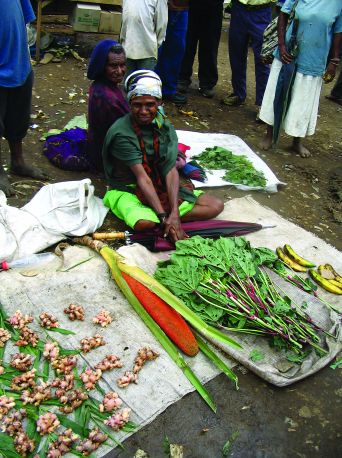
[266, 143]
[177, 98]
[24, 170]
[299, 148]
[206, 92]
[232, 100]
[334, 99]
[183, 86]
[5, 185]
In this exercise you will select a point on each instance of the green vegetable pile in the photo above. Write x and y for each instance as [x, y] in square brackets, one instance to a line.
[225, 283]
[238, 169]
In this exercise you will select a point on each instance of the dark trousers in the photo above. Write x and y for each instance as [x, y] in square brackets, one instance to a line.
[337, 89]
[247, 26]
[172, 50]
[204, 31]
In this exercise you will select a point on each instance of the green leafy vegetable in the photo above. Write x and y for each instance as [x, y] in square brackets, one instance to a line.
[228, 445]
[239, 169]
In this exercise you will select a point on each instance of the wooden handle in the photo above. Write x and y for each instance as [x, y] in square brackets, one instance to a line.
[109, 235]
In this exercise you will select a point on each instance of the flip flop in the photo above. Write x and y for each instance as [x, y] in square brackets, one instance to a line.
[334, 99]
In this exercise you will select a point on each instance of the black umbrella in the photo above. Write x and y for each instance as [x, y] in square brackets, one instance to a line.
[155, 241]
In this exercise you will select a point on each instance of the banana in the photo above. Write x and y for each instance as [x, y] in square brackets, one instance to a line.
[326, 284]
[336, 283]
[289, 262]
[298, 259]
[325, 273]
[330, 268]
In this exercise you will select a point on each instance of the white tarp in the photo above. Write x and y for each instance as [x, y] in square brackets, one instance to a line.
[199, 141]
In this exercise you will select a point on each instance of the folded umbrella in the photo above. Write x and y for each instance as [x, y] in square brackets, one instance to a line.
[285, 82]
[155, 241]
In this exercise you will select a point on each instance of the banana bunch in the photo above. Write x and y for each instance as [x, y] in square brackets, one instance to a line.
[293, 260]
[327, 277]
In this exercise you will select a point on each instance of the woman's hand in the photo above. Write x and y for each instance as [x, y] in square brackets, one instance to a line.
[173, 229]
[285, 57]
[330, 72]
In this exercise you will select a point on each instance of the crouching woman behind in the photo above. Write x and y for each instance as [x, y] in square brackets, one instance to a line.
[139, 157]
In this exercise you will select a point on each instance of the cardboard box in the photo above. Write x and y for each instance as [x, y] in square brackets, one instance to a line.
[86, 18]
[110, 22]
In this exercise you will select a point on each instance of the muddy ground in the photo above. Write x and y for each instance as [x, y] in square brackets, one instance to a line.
[299, 421]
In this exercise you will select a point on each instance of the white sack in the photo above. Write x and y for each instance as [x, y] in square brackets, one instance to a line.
[59, 209]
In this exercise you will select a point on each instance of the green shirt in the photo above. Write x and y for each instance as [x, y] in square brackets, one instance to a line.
[121, 150]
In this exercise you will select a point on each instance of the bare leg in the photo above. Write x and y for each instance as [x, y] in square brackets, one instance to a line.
[144, 225]
[18, 165]
[298, 147]
[4, 181]
[266, 143]
[206, 207]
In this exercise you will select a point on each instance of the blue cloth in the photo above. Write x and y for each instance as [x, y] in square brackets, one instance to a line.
[98, 58]
[247, 26]
[172, 50]
[15, 64]
[318, 21]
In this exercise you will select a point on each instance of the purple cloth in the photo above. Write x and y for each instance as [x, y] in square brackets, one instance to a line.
[106, 104]
[98, 58]
[67, 149]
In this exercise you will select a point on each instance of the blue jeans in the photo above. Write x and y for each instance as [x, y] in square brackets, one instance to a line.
[171, 52]
[247, 25]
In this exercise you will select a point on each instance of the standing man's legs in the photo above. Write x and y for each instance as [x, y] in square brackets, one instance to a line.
[192, 35]
[172, 51]
[15, 118]
[258, 21]
[238, 50]
[210, 22]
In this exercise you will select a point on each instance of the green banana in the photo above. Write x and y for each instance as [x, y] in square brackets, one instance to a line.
[326, 284]
[298, 259]
[289, 262]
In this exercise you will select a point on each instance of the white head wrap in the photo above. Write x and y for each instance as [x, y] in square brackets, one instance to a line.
[143, 82]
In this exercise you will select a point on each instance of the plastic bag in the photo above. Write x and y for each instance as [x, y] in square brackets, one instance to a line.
[57, 210]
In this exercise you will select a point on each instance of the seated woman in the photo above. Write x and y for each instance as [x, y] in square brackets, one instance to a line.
[139, 157]
[107, 103]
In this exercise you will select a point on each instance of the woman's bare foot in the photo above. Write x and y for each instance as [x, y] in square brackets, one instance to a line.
[24, 170]
[267, 141]
[5, 184]
[298, 147]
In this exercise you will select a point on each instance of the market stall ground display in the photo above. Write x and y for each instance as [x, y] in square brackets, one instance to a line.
[199, 141]
[89, 289]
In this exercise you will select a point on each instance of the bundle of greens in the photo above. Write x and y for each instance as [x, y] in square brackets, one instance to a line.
[238, 169]
[225, 283]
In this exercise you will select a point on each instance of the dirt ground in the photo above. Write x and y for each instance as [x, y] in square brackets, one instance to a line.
[300, 421]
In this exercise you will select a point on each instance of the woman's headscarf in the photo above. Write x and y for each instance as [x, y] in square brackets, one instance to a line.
[143, 82]
[98, 58]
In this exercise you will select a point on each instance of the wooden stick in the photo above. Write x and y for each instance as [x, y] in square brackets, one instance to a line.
[109, 235]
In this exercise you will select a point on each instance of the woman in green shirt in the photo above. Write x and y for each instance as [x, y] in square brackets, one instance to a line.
[139, 157]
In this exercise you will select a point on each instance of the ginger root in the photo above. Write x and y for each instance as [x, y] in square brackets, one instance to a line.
[89, 343]
[74, 312]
